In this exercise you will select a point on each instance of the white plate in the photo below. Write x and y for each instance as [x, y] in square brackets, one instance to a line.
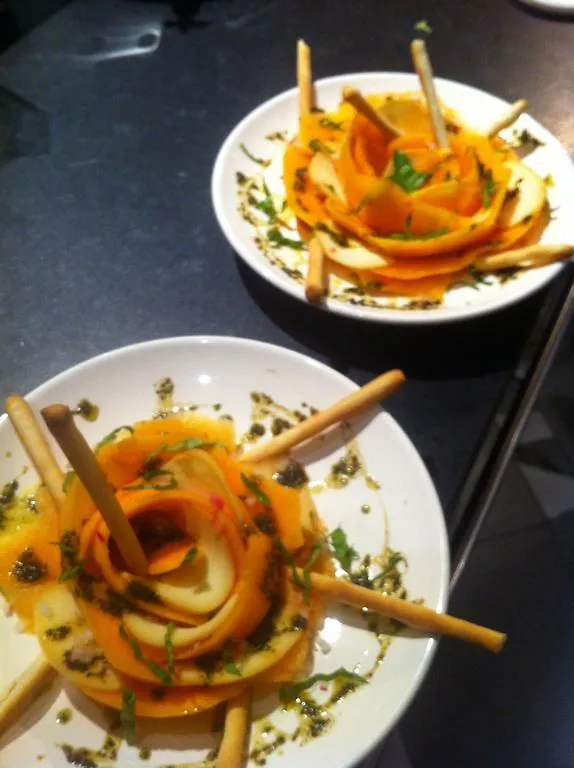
[226, 370]
[556, 6]
[475, 107]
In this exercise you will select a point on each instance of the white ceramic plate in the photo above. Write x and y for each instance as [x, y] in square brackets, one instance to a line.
[225, 370]
[476, 108]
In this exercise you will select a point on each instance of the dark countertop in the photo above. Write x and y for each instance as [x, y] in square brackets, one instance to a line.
[107, 235]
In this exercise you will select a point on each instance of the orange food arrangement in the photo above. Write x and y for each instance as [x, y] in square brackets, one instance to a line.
[217, 611]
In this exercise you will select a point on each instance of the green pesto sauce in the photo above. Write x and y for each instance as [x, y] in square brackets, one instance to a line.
[87, 410]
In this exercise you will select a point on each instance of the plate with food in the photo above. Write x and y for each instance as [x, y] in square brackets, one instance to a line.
[230, 550]
[395, 197]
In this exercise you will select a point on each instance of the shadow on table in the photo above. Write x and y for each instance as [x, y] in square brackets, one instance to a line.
[469, 348]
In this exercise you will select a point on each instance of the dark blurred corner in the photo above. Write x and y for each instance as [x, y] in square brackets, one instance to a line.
[17, 17]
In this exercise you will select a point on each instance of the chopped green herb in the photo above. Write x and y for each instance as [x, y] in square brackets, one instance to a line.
[168, 642]
[266, 205]
[254, 488]
[188, 445]
[112, 435]
[252, 157]
[190, 557]
[288, 692]
[394, 559]
[405, 175]
[275, 237]
[230, 667]
[408, 235]
[488, 190]
[344, 553]
[423, 26]
[319, 146]
[326, 123]
[128, 715]
[150, 475]
[154, 668]
[71, 572]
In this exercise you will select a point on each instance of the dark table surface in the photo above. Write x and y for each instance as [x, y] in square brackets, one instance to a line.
[110, 122]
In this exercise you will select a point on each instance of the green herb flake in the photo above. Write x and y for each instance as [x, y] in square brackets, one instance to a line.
[326, 123]
[110, 438]
[423, 26]
[258, 160]
[190, 557]
[488, 190]
[344, 553]
[318, 146]
[67, 480]
[392, 565]
[71, 573]
[292, 691]
[253, 487]
[128, 715]
[274, 236]
[154, 668]
[230, 667]
[408, 235]
[405, 175]
[151, 475]
[168, 642]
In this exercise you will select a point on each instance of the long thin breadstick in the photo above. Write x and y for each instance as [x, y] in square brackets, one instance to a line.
[527, 257]
[413, 615]
[18, 694]
[232, 746]
[378, 389]
[61, 424]
[507, 118]
[356, 99]
[304, 78]
[36, 446]
[315, 283]
[423, 67]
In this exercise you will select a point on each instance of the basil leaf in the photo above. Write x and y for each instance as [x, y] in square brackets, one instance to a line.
[405, 175]
[344, 553]
[254, 488]
[287, 692]
[128, 715]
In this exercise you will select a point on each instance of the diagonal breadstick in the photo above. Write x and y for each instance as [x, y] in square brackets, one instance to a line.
[356, 99]
[36, 446]
[381, 387]
[304, 78]
[423, 67]
[19, 693]
[525, 258]
[507, 118]
[61, 424]
[315, 283]
[413, 615]
[234, 732]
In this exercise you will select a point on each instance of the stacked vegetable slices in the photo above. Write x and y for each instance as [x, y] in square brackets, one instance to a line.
[399, 215]
[220, 609]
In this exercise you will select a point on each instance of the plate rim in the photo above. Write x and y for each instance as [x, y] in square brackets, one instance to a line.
[365, 314]
[444, 569]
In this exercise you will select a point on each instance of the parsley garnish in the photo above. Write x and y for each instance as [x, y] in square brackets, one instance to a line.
[187, 445]
[344, 553]
[305, 582]
[488, 190]
[408, 235]
[71, 572]
[254, 488]
[394, 559]
[319, 146]
[154, 668]
[288, 692]
[405, 175]
[423, 26]
[326, 123]
[128, 715]
[230, 666]
[274, 236]
[168, 642]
